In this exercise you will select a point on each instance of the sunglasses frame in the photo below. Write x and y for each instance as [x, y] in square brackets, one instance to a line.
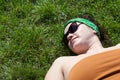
[65, 40]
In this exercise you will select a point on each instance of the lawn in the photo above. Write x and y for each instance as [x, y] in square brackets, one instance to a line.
[31, 32]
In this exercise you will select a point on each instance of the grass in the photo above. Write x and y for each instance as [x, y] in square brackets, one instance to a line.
[31, 32]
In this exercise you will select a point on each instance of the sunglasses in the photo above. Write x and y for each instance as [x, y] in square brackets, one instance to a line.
[73, 28]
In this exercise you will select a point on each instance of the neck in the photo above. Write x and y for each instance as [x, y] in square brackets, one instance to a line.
[95, 47]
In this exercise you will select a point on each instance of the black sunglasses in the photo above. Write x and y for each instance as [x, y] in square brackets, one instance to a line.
[73, 28]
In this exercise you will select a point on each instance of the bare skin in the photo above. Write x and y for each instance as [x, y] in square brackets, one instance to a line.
[83, 42]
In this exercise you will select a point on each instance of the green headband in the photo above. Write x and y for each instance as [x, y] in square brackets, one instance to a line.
[85, 21]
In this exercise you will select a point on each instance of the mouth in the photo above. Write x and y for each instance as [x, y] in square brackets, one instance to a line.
[73, 40]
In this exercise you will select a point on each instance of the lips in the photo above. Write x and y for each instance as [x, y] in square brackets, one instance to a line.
[72, 40]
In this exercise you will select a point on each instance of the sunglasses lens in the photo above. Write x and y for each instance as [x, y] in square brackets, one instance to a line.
[73, 27]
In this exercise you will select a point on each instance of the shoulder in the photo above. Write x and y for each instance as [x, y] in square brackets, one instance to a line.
[114, 47]
[118, 45]
[63, 59]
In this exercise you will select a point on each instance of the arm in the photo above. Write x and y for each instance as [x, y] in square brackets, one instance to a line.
[55, 72]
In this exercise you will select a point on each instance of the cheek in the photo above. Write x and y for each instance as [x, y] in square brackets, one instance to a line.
[84, 31]
[78, 47]
[79, 43]
[76, 43]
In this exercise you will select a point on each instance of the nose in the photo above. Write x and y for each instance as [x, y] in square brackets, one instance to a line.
[69, 37]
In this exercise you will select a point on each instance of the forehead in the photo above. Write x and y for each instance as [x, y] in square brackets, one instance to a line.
[67, 27]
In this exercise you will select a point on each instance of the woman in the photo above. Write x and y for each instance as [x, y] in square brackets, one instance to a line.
[93, 61]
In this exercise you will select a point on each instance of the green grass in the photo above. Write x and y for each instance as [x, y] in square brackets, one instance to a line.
[31, 32]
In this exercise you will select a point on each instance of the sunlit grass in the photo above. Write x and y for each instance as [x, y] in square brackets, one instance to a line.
[31, 32]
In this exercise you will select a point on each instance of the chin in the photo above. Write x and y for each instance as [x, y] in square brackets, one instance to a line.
[79, 49]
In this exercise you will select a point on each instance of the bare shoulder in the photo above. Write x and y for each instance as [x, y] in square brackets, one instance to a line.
[67, 61]
[118, 45]
[64, 59]
[56, 70]
[114, 47]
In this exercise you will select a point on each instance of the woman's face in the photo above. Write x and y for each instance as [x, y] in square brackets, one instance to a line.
[80, 39]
